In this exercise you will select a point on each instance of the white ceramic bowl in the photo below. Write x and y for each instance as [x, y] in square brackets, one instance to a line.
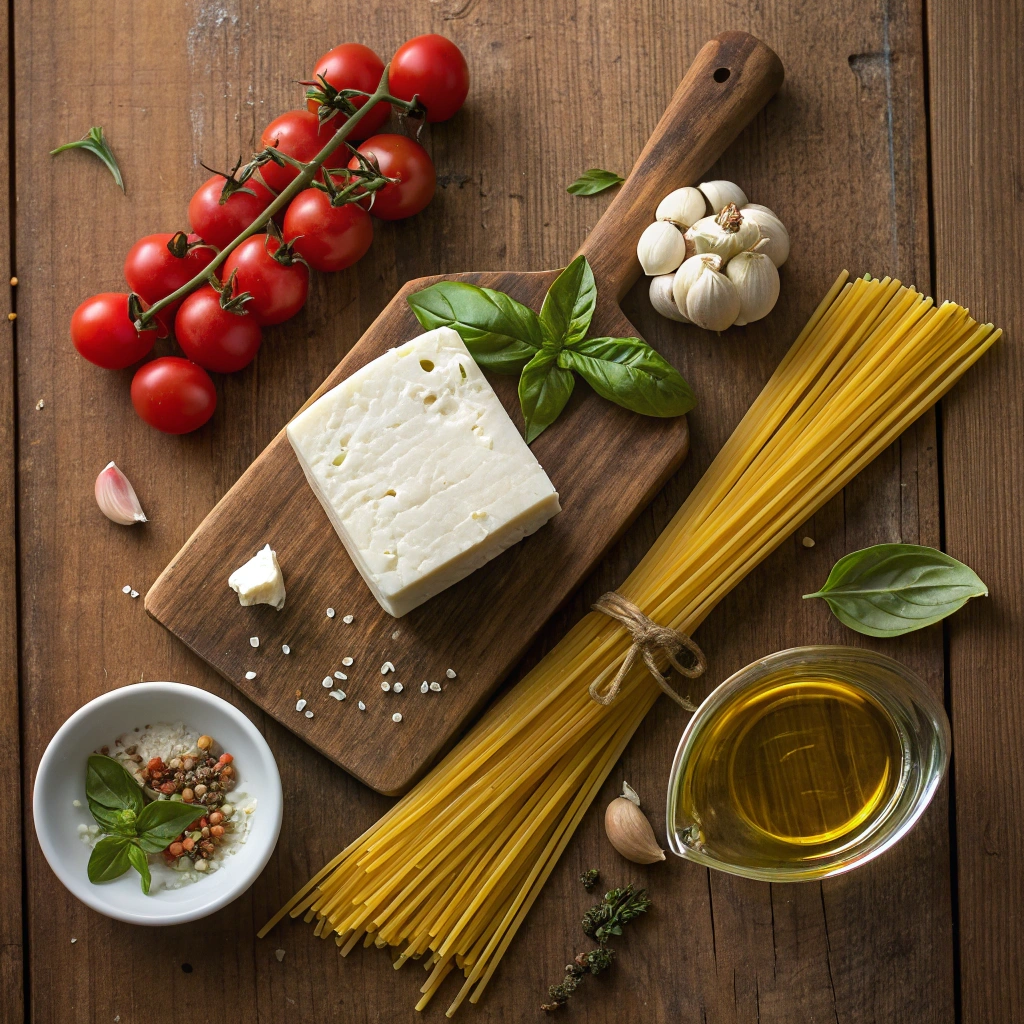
[60, 781]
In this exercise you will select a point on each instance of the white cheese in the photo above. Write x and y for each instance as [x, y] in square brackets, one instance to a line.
[259, 581]
[420, 470]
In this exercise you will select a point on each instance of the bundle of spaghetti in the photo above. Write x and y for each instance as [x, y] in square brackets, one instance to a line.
[449, 874]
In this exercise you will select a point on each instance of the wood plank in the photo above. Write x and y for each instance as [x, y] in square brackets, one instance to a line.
[974, 55]
[12, 953]
[558, 87]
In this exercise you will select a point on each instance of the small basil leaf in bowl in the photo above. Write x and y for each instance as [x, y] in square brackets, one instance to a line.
[109, 858]
[163, 821]
[139, 861]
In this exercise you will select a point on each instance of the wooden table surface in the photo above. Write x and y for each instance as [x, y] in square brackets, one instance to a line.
[893, 147]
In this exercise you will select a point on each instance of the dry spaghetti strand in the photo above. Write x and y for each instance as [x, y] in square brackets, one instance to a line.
[449, 874]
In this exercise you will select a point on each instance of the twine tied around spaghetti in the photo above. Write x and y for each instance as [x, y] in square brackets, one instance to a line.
[648, 637]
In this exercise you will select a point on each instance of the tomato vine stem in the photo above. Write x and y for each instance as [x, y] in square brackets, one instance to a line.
[303, 180]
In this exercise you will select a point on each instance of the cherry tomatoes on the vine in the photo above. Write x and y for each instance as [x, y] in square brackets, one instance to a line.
[434, 69]
[278, 289]
[220, 223]
[353, 66]
[214, 337]
[104, 334]
[298, 133]
[173, 395]
[327, 237]
[399, 157]
[153, 271]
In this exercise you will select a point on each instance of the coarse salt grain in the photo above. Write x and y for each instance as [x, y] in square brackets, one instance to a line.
[385, 686]
[346, 662]
[285, 649]
[347, 619]
[450, 673]
[300, 704]
[395, 635]
[309, 714]
[330, 613]
[126, 590]
[398, 687]
[808, 542]
[135, 594]
[436, 687]
[362, 706]
[254, 641]
[327, 682]
[338, 694]
[73, 941]
[386, 668]
[250, 675]
[396, 717]
[279, 953]
[424, 686]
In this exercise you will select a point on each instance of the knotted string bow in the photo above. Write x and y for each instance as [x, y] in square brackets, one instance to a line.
[648, 638]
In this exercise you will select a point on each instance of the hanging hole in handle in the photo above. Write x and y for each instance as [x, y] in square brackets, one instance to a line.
[721, 74]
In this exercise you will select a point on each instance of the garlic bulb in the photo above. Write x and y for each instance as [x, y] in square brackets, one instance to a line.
[683, 207]
[721, 193]
[712, 301]
[629, 831]
[725, 235]
[662, 300]
[661, 248]
[757, 282]
[772, 230]
[116, 497]
[684, 277]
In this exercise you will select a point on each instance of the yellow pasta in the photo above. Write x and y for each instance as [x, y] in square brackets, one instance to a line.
[449, 874]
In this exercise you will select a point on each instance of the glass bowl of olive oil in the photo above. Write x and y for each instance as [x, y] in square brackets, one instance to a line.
[806, 764]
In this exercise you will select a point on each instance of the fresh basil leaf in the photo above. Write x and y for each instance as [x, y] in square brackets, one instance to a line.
[109, 859]
[140, 862]
[110, 786]
[164, 820]
[630, 373]
[96, 144]
[569, 305]
[595, 180]
[544, 388]
[501, 334]
[892, 589]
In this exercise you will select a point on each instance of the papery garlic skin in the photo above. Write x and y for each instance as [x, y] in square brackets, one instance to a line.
[662, 300]
[117, 498]
[726, 234]
[685, 276]
[772, 230]
[720, 193]
[712, 301]
[661, 248]
[757, 282]
[683, 207]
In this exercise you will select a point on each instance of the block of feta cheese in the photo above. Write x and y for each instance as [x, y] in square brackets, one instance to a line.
[420, 470]
[259, 581]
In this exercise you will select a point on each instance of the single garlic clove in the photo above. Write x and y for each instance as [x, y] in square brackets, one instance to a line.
[662, 300]
[685, 276]
[721, 193]
[661, 248]
[630, 832]
[773, 231]
[117, 498]
[712, 301]
[683, 207]
[757, 283]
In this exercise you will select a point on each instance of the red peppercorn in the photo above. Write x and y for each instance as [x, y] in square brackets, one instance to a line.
[155, 764]
[187, 843]
[217, 830]
[176, 849]
[167, 787]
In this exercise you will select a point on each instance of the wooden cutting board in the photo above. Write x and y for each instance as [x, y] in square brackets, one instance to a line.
[606, 464]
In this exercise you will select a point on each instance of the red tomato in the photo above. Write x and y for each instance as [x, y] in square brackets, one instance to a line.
[104, 334]
[153, 271]
[278, 289]
[399, 157]
[214, 337]
[353, 66]
[434, 69]
[173, 395]
[220, 223]
[298, 133]
[327, 237]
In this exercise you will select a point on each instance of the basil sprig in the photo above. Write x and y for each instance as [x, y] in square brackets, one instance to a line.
[595, 180]
[505, 336]
[134, 828]
[892, 589]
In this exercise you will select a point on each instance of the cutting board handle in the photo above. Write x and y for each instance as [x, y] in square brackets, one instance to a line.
[731, 79]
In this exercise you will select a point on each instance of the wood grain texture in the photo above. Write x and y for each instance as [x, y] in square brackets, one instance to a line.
[558, 87]
[977, 182]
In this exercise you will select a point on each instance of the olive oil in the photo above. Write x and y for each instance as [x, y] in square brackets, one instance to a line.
[790, 772]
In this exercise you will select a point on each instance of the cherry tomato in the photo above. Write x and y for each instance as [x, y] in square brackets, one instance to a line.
[153, 271]
[220, 223]
[214, 337]
[173, 395]
[327, 237]
[399, 157]
[298, 133]
[104, 334]
[434, 69]
[353, 66]
[278, 289]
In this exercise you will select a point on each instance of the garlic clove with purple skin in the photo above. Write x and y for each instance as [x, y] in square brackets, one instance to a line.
[117, 498]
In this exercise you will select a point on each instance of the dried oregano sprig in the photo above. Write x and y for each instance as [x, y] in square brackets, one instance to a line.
[589, 878]
[604, 919]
